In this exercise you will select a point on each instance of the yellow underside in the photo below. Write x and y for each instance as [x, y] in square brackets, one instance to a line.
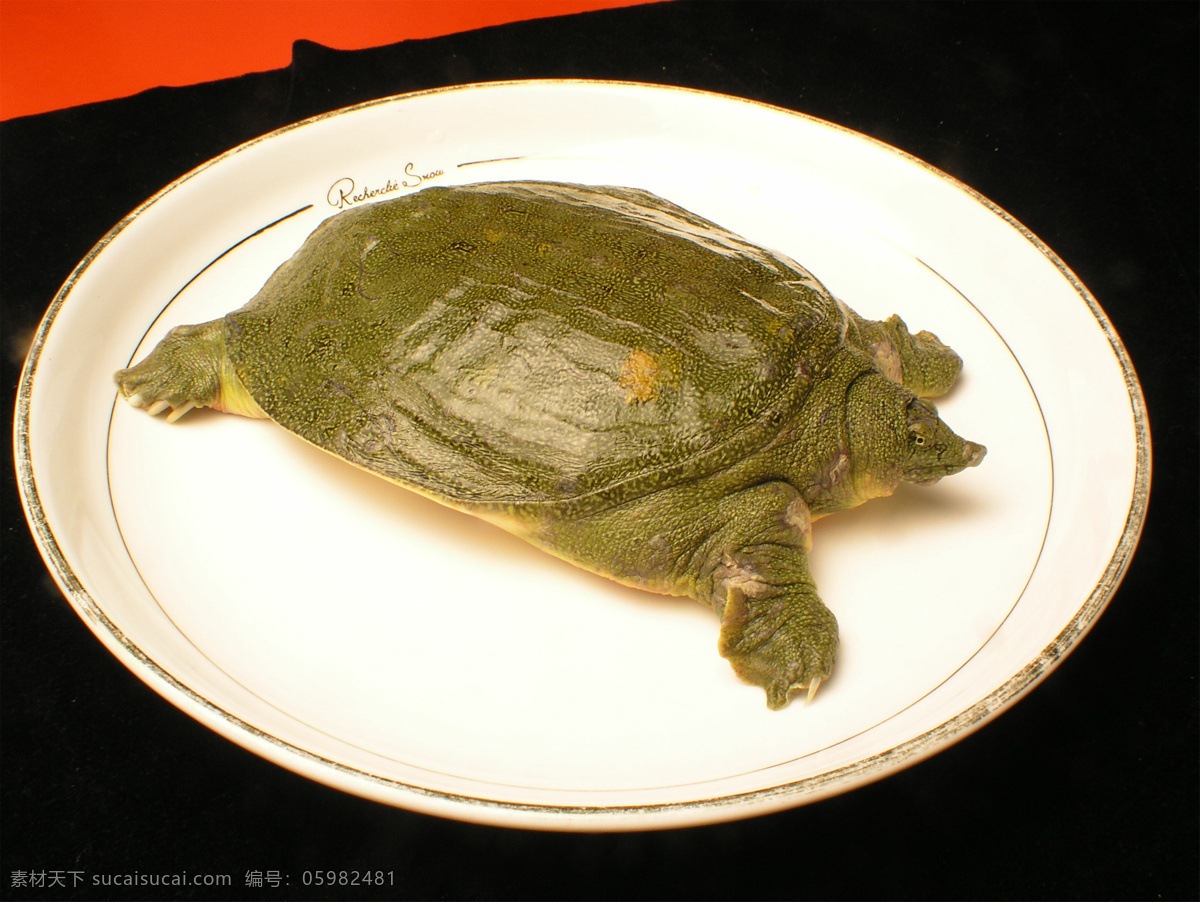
[233, 397]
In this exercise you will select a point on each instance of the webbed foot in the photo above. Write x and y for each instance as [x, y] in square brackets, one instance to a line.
[744, 553]
[783, 642]
[921, 362]
[187, 369]
[937, 364]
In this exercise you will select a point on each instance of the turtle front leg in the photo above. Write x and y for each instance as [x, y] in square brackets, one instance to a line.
[189, 368]
[775, 631]
[743, 553]
[921, 363]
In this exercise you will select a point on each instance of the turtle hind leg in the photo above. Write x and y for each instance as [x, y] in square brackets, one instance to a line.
[188, 369]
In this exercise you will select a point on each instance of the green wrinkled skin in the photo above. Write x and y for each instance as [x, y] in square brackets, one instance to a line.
[614, 379]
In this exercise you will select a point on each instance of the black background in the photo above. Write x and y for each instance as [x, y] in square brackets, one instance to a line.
[1078, 119]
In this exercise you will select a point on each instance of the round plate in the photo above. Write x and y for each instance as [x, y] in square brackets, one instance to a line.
[373, 640]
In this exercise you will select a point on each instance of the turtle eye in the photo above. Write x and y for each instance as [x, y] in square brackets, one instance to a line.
[919, 434]
[922, 423]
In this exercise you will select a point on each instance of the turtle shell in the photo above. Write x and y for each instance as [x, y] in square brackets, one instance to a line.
[523, 343]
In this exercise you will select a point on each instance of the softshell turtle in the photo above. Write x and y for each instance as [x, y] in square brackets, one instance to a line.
[606, 375]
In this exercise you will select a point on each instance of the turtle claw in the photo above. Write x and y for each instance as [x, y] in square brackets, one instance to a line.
[813, 685]
[177, 412]
[159, 406]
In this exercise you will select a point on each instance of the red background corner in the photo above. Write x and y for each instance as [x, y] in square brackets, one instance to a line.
[61, 53]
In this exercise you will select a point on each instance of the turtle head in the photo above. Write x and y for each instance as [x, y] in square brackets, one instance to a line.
[896, 437]
[934, 450]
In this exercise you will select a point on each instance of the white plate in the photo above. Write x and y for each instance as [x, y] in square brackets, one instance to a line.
[375, 641]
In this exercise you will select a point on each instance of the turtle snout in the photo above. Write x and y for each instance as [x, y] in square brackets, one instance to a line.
[973, 454]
